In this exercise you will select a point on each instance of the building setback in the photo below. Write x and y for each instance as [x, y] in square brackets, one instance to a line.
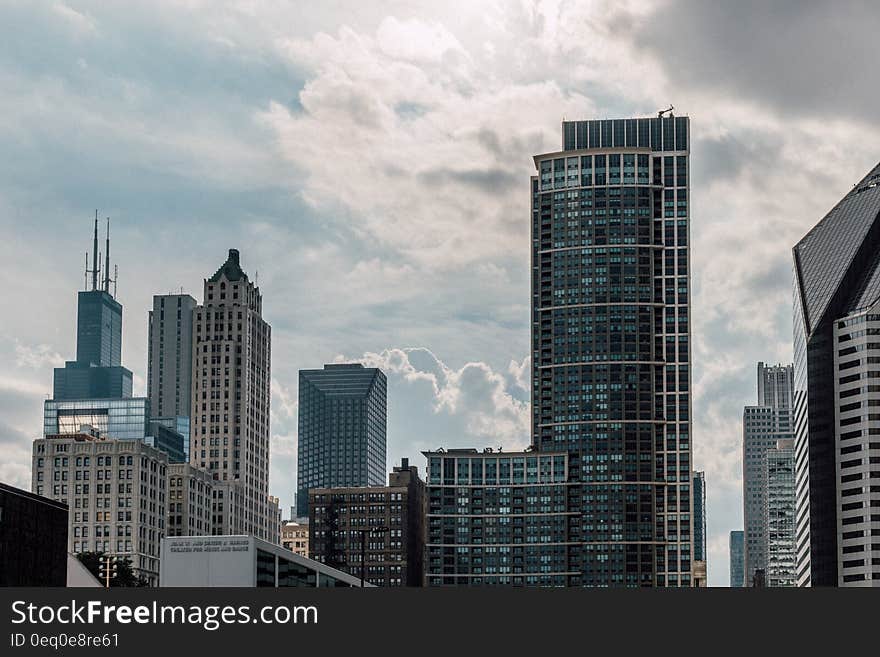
[764, 424]
[116, 492]
[342, 425]
[736, 547]
[611, 377]
[33, 539]
[229, 424]
[386, 524]
[497, 518]
[779, 515]
[836, 289]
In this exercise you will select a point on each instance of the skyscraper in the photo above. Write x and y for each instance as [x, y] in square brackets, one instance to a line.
[611, 349]
[230, 402]
[700, 547]
[836, 292]
[736, 547]
[342, 423]
[779, 514]
[169, 355]
[97, 372]
[763, 426]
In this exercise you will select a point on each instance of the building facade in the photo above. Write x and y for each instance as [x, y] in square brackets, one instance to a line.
[611, 351]
[384, 525]
[342, 427]
[498, 518]
[169, 355]
[190, 500]
[779, 515]
[764, 424]
[700, 543]
[736, 551]
[116, 492]
[835, 287]
[33, 539]
[229, 423]
[295, 537]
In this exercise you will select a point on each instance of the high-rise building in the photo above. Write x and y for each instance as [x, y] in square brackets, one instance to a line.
[611, 351]
[836, 291]
[770, 421]
[342, 423]
[97, 372]
[736, 547]
[779, 514]
[700, 547]
[169, 361]
[498, 518]
[116, 491]
[229, 424]
[383, 525]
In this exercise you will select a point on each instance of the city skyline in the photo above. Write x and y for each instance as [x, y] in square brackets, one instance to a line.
[441, 116]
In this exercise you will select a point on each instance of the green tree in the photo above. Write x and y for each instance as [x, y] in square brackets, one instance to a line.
[123, 574]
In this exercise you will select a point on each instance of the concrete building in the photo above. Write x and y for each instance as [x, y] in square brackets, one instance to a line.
[116, 492]
[611, 348]
[33, 539]
[242, 561]
[342, 425]
[295, 537]
[498, 518]
[736, 547]
[764, 424]
[700, 544]
[836, 290]
[169, 355]
[190, 500]
[779, 515]
[383, 524]
[229, 424]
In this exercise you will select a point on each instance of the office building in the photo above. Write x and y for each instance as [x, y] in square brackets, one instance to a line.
[116, 492]
[190, 500]
[611, 351]
[700, 546]
[169, 355]
[764, 424]
[736, 547]
[342, 422]
[499, 518]
[836, 288]
[295, 537]
[242, 561]
[229, 422]
[377, 532]
[33, 539]
[779, 515]
[97, 372]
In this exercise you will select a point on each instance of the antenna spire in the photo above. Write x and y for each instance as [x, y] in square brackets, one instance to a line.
[107, 261]
[95, 255]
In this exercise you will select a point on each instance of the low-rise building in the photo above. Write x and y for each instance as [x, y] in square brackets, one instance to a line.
[33, 539]
[190, 498]
[295, 537]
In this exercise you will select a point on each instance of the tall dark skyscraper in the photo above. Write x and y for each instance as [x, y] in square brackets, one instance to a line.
[97, 372]
[836, 321]
[611, 349]
[230, 402]
[341, 429]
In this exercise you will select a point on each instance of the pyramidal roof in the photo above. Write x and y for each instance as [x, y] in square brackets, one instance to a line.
[231, 269]
[836, 263]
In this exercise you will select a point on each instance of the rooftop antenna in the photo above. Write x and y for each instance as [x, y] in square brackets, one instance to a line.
[107, 261]
[95, 255]
[666, 111]
[115, 278]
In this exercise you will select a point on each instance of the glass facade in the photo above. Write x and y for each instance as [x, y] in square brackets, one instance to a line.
[123, 419]
[342, 424]
[779, 515]
[611, 344]
[736, 551]
[497, 519]
[700, 548]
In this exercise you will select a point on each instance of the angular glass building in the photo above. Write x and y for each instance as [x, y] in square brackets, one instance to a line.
[836, 363]
[342, 424]
[611, 350]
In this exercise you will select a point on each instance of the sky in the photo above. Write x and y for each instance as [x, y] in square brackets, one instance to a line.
[371, 162]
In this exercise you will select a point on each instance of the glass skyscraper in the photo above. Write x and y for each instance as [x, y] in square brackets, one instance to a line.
[779, 515]
[342, 423]
[836, 364]
[700, 516]
[611, 350]
[736, 548]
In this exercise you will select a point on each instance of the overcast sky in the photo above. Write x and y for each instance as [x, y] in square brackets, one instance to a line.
[371, 161]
